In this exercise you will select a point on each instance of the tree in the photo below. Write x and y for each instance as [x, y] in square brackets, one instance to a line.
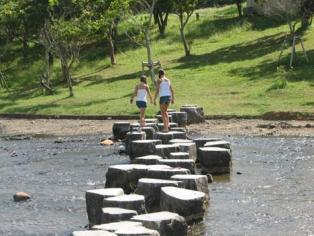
[239, 7]
[184, 9]
[161, 12]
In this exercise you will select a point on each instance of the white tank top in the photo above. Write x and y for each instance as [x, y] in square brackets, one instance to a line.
[141, 95]
[164, 88]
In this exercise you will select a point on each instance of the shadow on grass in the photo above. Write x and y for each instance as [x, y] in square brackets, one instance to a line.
[263, 23]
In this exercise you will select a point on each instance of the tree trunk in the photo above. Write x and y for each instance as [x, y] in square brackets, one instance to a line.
[25, 46]
[111, 46]
[67, 76]
[185, 43]
[239, 6]
[161, 20]
[149, 56]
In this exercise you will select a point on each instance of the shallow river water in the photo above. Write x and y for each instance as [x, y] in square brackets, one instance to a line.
[269, 192]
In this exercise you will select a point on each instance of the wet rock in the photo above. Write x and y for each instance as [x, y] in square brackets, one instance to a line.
[150, 188]
[180, 118]
[125, 176]
[179, 155]
[13, 154]
[187, 203]
[189, 148]
[136, 231]
[215, 160]
[221, 144]
[120, 129]
[143, 148]
[165, 137]
[112, 227]
[179, 163]
[132, 202]
[150, 132]
[195, 114]
[165, 173]
[21, 196]
[200, 142]
[94, 202]
[113, 214]
[147, 160]
[194, 182]
[18, 138]
[308, 126]
[166, 223]
[132, 136]
[164, 150]
[92, 233]
[107, 142]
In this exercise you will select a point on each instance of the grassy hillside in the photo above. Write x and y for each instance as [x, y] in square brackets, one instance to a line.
[232, 71]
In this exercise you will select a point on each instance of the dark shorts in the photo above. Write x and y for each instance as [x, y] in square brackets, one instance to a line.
[164, 100]
[141, 104]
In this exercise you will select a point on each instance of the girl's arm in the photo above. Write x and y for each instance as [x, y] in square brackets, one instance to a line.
[157, 91]
[134, 94]
[149, 94]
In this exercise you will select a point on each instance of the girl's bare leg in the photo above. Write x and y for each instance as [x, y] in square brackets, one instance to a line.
[164, 116]
[142, 117]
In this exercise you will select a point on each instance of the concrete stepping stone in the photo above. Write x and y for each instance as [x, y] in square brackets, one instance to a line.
[143, 148]
[154, 121]
[195, 114]
[171, 125]
[180, 129]
[159, 118]
[132, 136]
[136, 231]
[94, 202]
[150, 188]
[164, 150]
[200, 142]
[179, 155]
[172, 141]
[150, 132]
[125, 176]
[132, 202]
[189, 148]
[187, 203]
[152, 125]
[221, 144]
[166, 223]
[179, 117]
[120, 129]
[135, 127]
[112, 227]
[194, 182]
[165, 137]
[114, 214]
[178, 134]
[92, 233]
[181, 163]
[215, 160]
[147, 160]
[165, 173]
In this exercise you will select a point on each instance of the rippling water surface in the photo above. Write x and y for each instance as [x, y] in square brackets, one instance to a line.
[269, 192]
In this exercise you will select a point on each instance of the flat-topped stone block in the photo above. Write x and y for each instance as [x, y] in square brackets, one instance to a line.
[172, 141]
[136, 231]
[194, 114]
[120, 129]
[187, 203]
[166, 223]
[135, 127]
[200, 142]
[112, 227]
[114, 214]
[148, 160]
[150, 132]
[150, 188]
[152, 125]
[215, 160]
[94, 202]
[132, 136]
[180, 129]
[164, 150]
[163, 173]
[221, 144]
[189, 148]
[143, 148]
[179, 117]
[92, 233]
[159, 118]
[180, 163]
[178, 134]
[165, 137]
[194, 182]
[132, 202]
[179, 155]
[171, 125]
[154, 121]
[125, 176]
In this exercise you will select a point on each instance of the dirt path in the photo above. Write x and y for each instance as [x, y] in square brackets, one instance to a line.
[42, 127]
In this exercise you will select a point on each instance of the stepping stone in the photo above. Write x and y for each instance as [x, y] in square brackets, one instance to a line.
[120, 129]
[178, 135]
[125, 176]
[114, 214]
[132, 136]
[180, 118]
[181, 163]
[164, 150]
[187, 203]
[159, 118]
[150, 188]
[165, 173]
[166, 223]
[147, 160]
[94, 202]
[143, 148]
[194, 182]
[92, 233]
[189, 148]
[200, 142]
[168, 110]
[195, 114]
[154, 121]
[135, 127]
[165, 137]
[136, 231]
[132, 202]
[152, 125]
[150, 132]
[179, 155]
[171, 125]
[180, 129]
[172, 141]
[112, 227]
[215, 160]
[221, 144]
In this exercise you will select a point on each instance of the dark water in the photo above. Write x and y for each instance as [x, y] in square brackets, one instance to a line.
[269, 192]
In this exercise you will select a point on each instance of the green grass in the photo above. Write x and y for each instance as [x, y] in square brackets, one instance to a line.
[232, 71]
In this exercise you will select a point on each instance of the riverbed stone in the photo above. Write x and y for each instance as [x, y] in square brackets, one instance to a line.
[187, 203]
[195, 114]
[114, 214]
[21, 196]
[180, 118]
[150, 188]
[166, 223]
[179, 155]
[94, 202]
[92, 233]
[179, 163]
[148, 160]
[215, 160]
[120, 129]
[132, 136]
[125, 176]
[194, 182]
[200, 142]
[132, 202]
[143, 148]
[164, 150]
[149, 131]
[112, 227]
[221, 144]
[189, 148]
[165, 173]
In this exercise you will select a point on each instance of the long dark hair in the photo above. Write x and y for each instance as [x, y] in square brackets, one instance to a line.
[143, 79]
[161, 73]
